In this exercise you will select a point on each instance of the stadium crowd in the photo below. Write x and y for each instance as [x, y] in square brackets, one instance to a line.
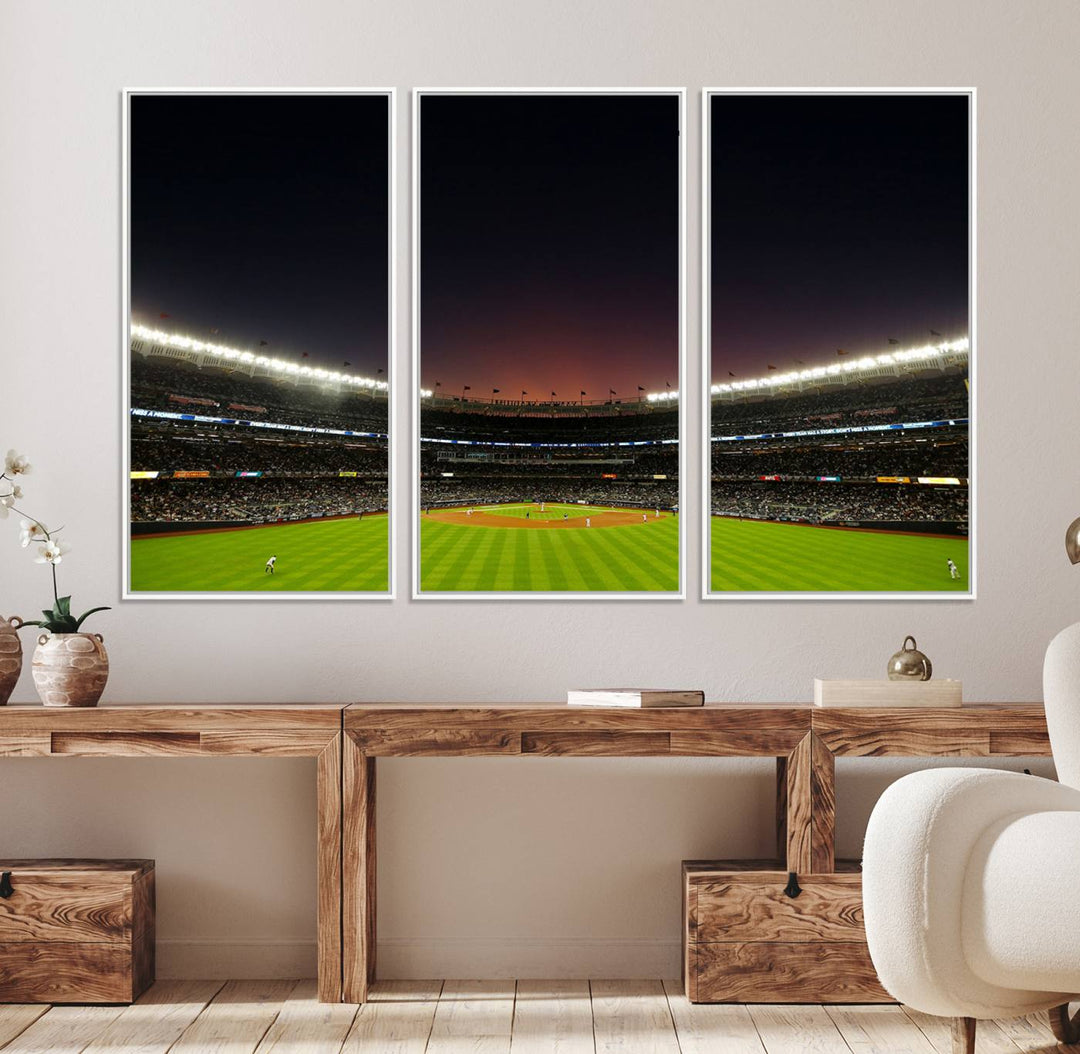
[161, 383]
[829, 502]
[252, 500]
[661, 493]
[941, 398]
[903, 455]
[154, 447]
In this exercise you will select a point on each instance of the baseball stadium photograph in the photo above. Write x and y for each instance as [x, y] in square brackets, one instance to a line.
[258, 374]
[548, 343]
[838, 299]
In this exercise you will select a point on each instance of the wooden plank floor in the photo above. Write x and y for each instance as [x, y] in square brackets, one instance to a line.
[484, 1017]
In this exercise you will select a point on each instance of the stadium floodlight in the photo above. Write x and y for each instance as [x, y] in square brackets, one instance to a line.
[886, 360]
[178, 341]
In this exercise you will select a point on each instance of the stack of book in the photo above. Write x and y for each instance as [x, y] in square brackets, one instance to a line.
[633, 697]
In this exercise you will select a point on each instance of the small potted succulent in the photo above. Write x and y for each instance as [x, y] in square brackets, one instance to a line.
[70, 667]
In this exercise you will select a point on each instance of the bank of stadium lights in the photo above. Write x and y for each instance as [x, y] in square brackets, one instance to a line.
[866, 362]
[250, 358]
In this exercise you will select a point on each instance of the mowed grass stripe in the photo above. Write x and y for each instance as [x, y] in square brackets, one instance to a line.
[462, 558]
[642, 561]
[760, 556]
[345, 555]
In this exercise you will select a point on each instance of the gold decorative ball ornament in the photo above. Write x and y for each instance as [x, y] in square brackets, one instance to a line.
[909, 664]
[1072, 541]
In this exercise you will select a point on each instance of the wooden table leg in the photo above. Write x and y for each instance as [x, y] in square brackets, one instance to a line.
[806, 807]
[329, 866]
[358, 889]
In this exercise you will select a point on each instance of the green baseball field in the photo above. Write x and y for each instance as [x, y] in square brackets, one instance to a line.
[755, 556]
[329, 555]
[529, 547]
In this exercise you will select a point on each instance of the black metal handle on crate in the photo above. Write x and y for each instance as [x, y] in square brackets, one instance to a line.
[5, 885]
[792, 889]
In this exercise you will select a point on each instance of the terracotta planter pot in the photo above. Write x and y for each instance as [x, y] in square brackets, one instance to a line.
[10, 656]
[70, 669]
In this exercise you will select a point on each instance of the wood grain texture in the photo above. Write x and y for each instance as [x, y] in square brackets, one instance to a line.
[712, 1028]
[16, 1018]
[77, 931]
[282, 743]
[558, 717]
[238, 1018]
[67, 906]
[632, 1016]
[64, 1030]
[358, 871]
[552, 1017]
[143, 931]
[797, 1030]
[752, 906]
[30, 745]
[396, 1019]
[65, 973]
[767, 742]
[1063, 1027]
[307, 1026]
[609, 743]
[938, 1030]
[473, 1016]
[975, 730]
[154, 1023]
[798, 799]
[126, 744]
[418, 743]
[822, 806]
[786, 972]
[869, 1029]
[963, 1035]
[328, 852]
[189, 717]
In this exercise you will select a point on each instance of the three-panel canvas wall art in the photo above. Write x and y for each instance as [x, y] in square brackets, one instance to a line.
[544, 446]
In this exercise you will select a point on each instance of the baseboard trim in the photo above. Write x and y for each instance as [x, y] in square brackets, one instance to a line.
[220, 958]
[418, 958]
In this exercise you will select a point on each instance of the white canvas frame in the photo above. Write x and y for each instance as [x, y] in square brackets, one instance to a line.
[707, 593]
[391, 374]
[417, 594]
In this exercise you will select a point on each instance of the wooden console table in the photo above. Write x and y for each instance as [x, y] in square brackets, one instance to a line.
[805, 740]
[207, 730]
[347, 740]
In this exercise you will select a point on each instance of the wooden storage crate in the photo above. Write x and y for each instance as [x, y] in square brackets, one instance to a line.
[747, 940]
[76, 931]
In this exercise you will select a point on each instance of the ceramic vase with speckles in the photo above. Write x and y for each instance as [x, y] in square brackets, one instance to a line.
[10, 656]
[70, 669]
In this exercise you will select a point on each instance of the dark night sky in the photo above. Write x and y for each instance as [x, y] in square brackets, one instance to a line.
[837, 222]
[549, 244]
[265, 217]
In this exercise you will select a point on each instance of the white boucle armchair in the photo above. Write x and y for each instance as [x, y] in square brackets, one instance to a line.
[971, 880]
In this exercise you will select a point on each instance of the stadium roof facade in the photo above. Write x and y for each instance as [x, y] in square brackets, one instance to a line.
[904, 362]
[148, 341]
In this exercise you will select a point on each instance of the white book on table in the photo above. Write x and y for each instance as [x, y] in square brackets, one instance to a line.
[634, 697]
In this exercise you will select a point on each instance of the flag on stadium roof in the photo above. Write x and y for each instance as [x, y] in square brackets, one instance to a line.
[840, 351]
[893, 340]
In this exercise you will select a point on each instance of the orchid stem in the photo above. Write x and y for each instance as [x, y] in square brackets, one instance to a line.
[55, 591]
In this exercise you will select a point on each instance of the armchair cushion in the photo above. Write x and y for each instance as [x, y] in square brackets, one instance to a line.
[920, 902]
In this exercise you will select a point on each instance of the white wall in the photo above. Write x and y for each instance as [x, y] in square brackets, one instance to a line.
[543, 866]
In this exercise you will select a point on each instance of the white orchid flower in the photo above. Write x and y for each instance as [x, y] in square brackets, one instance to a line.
[52, 552]
[31, 531]
[16, 464]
